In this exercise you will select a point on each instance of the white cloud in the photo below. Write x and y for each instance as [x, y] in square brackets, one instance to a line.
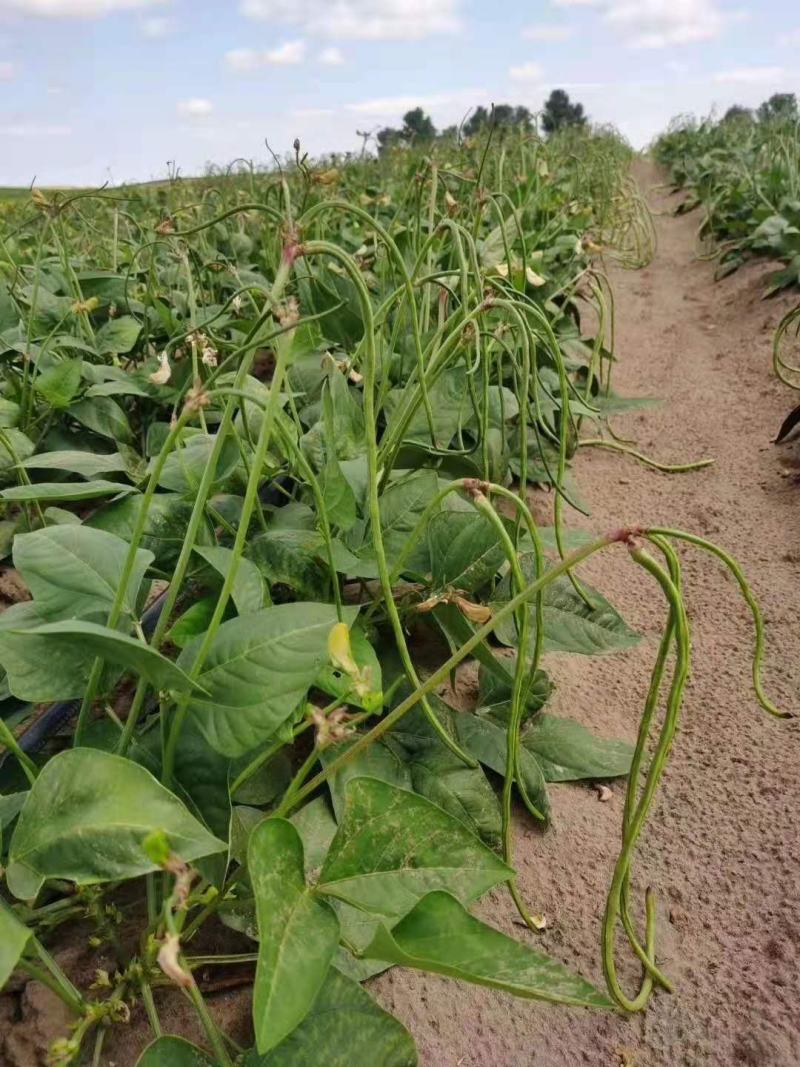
[547, 32]
[331, 56]
[790, 37]
[527, 72]
[246, 60]
[7, 70]
[197, 107]
[387, 20]
[660, 23]
[34, 129]
[287, 53]
[158, 26]
[392, 106]
[73, 8]
[749, 76]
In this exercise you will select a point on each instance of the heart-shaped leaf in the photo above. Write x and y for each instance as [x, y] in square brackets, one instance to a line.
[86, 817]
[394, 846]
[298, 933]
[440, 935]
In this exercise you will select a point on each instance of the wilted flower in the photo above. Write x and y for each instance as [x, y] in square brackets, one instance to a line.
[162, 375]
[170, 964]
[85, 306]
[209, 357]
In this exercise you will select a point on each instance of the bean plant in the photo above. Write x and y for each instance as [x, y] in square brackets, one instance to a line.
[268, 447]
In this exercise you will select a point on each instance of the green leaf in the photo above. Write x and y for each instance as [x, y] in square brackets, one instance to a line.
[248, 587]
[438, 774]
[86, 817]
[292, 557]
[59, 384]
[401, 507]
[185, 467]
[440, 935]
[117, 335]
[75, 571]
[89, 464]
[164, 528]
[15, 447]
[103, 416]
[14, 936]
[449, 407]
[195, 620]
[40, 668]
[257, 670]
[338, 497]
[377, 761]
[570, 625]
[566, 751]
[298, 933]
[66, 490]
[394, 846]
[465, 550]
[344, 1028]
[171, 1051]
[74, 642]
[486, 741]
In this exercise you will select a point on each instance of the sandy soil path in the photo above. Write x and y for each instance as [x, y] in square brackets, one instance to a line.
[722, 848]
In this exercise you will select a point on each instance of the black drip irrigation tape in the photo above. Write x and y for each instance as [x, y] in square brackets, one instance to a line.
[57, 716]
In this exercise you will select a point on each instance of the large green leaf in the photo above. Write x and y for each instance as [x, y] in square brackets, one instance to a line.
[185, 467]
[486, 741]
[570, 625]
[377, 760]
[449, 406]
[22, 651]
[169, 1051]
[39, 669]
[566, 751]
[75, 571]
[465, 550]
[117, 335]
[258, 669]
[89, 464]
[14, 936]
[440, 935]
[69, 491]
[59, 383]
[248, 588]
[86, 817]
[401, 507]
[394, 846]
[103, 416]
[438, 774]
[298, 933]
[344, 1028]
[164, 528]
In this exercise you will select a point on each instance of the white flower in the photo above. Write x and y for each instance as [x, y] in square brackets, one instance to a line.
[236, 303]
[162, 375]
[209, 356]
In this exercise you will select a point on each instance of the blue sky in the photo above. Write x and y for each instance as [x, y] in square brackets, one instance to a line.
[92, 90]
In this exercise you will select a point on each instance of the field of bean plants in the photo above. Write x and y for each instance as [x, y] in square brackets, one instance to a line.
[743, 172]
[268, 446]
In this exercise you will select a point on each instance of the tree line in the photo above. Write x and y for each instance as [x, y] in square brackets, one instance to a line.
[779, 106]
[558, 111]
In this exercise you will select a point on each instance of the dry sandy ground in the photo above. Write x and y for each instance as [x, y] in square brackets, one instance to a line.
[722, 848]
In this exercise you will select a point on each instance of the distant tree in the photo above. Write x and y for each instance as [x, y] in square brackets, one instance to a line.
[505, 116]
[449, 133]
[417, 126]
[559, 111]
[779, 106]
[737, 113]
[387, 138]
